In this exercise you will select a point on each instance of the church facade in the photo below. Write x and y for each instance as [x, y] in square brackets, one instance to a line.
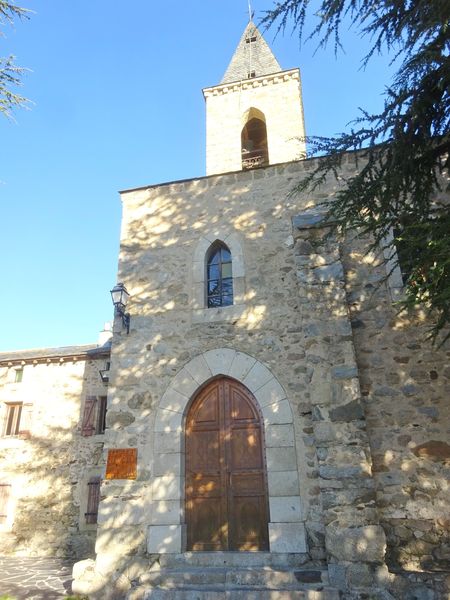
[268, 408]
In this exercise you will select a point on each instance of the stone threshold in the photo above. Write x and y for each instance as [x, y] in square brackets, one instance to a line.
[285, 560]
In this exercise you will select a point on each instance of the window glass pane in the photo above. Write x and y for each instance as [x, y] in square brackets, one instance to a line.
[9, 425]
[101, 419]
[18, 415]
[226, 255]
[227, 286]
[19, 375]
[219, 286]
[226, 270]
[213, 272]
[227, 300]
[13, 419]
[213, 287]
[214, 301]
[215, 258]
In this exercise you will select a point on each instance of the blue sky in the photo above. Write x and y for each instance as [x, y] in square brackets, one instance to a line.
[117, 104]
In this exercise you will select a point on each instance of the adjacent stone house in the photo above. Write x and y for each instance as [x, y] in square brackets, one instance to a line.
[52, 412]
[273, 425]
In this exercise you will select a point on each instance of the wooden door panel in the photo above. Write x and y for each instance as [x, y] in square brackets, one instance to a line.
[245, 449]
[207, 529]
[203, 486]
[248, 522]
[249, 525]
[204, 452]
[207, 409]
[226, 482]
[241, 409]
[247, 484]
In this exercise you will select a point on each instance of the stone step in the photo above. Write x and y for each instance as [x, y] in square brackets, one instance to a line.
[246, 594]
[231, 559]
[234, 577]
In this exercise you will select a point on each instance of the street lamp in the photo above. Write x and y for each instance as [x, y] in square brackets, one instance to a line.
[120, 298]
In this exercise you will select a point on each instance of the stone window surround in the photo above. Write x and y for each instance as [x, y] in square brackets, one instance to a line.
[166, 533]
[200, 312]
[11, 377]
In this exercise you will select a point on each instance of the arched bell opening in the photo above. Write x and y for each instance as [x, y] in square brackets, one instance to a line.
[254, 141]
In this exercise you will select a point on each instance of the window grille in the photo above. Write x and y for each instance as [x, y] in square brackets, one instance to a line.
[219, 277]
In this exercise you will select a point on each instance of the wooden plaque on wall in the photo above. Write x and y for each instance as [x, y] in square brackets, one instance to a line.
[122, 463]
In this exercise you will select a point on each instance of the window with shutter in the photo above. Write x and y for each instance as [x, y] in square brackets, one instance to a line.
[93, 500]
[88, 425]
[26, 420]
[5, 494]
[101, 414]
[12, 421]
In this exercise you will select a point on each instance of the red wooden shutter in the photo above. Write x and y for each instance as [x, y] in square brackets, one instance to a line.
[88, 424]
[26, 420]
[93, 500]
[5, 493]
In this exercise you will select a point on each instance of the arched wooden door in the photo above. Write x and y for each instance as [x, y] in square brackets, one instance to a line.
[226, 488]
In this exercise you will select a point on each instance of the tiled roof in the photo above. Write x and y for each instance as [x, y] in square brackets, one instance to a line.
[89, 350]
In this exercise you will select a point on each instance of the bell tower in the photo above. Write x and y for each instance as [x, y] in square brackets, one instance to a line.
[254, 117]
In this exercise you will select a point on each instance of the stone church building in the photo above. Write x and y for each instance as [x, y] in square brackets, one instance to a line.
[266, 425]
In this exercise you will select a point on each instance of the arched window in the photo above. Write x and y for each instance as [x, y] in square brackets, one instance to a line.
[219, 276]
[254, 141]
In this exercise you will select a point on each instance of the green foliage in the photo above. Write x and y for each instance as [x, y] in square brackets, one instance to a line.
[10, 74]
[403, 153]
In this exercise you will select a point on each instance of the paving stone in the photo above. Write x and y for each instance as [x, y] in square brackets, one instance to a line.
[35, 578]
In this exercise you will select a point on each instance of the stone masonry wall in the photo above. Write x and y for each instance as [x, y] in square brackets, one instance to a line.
[48, 469]
[354, 540]
[405, 385]
[161, 230]
[297, 302]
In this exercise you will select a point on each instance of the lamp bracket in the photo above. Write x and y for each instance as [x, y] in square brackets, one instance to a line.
[124, 316]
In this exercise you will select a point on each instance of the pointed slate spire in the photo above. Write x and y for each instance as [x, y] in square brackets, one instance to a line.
[252, 58]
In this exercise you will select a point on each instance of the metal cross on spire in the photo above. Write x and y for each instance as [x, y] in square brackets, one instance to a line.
[251, 13]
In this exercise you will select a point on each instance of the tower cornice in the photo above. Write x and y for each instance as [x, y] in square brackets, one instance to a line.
[255, 82]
